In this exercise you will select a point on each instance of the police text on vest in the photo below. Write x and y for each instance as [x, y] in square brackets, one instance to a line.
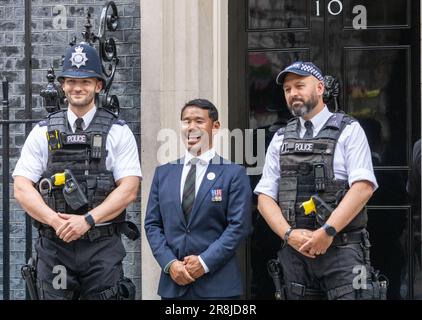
[76, 139]
[304, 147]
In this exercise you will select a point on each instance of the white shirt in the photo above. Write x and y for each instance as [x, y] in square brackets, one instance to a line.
[352, 156]
[122, 156]
[201, 167]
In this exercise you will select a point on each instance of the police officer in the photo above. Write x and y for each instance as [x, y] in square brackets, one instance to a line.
[324, 158]
[78, 171]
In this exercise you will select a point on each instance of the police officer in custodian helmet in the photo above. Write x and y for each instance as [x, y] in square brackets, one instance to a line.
[78, 171]
[317, 178]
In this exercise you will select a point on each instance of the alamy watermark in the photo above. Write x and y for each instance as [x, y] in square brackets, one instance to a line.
[60, 17]
[60, 281]
[245, 147]
[360, 281]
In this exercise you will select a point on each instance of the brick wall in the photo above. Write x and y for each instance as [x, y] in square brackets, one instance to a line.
[50, 38]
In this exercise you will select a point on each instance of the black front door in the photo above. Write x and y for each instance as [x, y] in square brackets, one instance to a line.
[373, 48]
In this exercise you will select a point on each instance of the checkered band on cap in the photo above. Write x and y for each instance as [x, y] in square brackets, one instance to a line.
[301, 68]
[307, 67]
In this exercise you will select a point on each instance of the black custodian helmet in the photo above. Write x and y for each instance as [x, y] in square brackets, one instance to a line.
[82, 61]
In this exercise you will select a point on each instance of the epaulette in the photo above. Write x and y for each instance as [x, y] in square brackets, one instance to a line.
[120, 122]
[335, 120]
[348, 119]
[43, 123]
[281, 131]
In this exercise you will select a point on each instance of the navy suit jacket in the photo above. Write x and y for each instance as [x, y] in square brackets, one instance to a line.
[214, 229]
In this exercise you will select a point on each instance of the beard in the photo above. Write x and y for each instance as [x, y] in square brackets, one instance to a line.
[300, 108]
[87, 100]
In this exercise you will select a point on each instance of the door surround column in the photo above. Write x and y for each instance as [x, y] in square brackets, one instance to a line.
[184, 56]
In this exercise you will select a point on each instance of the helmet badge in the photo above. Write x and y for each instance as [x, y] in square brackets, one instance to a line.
[78, 57]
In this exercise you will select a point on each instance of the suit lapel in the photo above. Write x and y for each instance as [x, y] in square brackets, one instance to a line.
[215, 167]
[175, 175]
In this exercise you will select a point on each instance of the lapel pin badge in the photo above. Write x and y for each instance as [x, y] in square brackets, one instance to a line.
[216, 195]
[211, 176]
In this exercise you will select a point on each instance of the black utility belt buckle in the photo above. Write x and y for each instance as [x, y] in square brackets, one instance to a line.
[94, 234]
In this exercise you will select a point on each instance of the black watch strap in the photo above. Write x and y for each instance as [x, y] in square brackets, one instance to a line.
[330, 230]
[287, 235]
[89, 219]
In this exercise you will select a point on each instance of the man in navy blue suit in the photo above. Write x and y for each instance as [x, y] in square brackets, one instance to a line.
[199, 210]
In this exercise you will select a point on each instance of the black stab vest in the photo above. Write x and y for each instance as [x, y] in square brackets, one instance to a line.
[79, 153]
[301, 161]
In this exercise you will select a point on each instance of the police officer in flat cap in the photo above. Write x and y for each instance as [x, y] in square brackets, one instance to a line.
[317, 178]
[78, 171]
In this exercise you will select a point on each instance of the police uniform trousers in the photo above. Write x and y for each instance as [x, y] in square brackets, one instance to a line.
[321, 278]
[81, 269]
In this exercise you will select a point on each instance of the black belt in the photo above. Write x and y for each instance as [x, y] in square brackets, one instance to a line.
[92, 234]
[351, 237]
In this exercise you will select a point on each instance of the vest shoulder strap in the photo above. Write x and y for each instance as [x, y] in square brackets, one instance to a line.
[116, 119]
[57, 120]
[102, 121]
[335, 126]
[291, 129]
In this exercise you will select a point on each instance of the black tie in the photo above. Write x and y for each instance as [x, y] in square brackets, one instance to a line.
[189, 190]
[309, 134]
[78, 123]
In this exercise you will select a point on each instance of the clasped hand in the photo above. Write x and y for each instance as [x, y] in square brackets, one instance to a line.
[70, 227]
[186, 271]
[310, 243]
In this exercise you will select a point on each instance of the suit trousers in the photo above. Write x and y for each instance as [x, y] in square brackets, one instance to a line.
[191, 295]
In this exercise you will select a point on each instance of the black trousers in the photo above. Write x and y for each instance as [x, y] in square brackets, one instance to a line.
[80, 269]
[335, 275]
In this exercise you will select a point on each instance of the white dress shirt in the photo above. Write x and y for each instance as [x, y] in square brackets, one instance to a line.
[122, 153]
[352, 156]
[201, 167]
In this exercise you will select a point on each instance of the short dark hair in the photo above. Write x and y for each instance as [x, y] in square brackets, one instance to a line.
[202, 104]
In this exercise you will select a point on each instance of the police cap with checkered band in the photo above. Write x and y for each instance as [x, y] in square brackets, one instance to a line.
[301, 68]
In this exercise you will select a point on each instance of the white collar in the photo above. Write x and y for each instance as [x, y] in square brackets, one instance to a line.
[319, 119]
[204, 158]
[71, 117]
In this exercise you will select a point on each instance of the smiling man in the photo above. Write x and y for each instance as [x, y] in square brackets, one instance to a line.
[323, 160]
[199, 210]
[78, 171]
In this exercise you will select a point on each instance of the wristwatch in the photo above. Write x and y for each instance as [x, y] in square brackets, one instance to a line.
[89, 219]
[331, 231]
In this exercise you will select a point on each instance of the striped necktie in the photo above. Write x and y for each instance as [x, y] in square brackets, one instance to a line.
[189, 190]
